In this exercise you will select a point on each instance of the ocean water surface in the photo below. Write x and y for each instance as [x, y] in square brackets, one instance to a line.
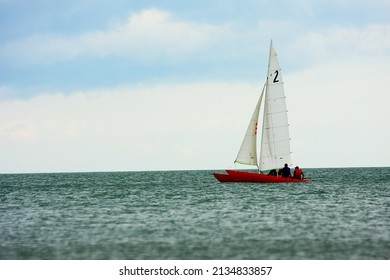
[343, 214]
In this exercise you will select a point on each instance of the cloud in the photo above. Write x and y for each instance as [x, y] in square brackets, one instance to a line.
[5, 92]
[148, 34]
[303, 46]
[146, 128]
[370, 40]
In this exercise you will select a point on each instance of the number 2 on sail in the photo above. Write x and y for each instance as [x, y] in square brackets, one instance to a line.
[276, 76]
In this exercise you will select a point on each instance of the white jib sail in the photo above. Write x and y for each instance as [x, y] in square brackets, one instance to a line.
[275, 142]
[248, 151]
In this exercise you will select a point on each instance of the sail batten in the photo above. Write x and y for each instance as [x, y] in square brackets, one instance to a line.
[278, 141]
[274, 113]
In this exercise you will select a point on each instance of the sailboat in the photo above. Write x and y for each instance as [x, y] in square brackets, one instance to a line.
[275, 139]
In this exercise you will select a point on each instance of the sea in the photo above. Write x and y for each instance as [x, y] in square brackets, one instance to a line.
[343, 214]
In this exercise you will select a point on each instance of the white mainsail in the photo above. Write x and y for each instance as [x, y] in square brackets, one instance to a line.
[248, 151]
[275, 141]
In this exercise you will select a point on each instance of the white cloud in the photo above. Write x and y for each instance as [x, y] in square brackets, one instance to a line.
[162, 127]
[304, 46]
[5, 92]
[341, 43]
[144, 35]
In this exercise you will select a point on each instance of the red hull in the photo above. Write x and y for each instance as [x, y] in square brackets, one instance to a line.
[233, 176]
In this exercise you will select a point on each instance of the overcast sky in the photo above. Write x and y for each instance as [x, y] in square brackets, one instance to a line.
[164, 85]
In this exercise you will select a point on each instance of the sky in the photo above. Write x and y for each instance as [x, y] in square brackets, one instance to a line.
[171, 85]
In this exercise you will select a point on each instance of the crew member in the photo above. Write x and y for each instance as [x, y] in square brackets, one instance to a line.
[272, 172]
[286, 172]
[298, 173]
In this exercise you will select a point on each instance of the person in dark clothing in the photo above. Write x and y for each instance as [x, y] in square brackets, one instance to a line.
[272, 172]
[286, 172]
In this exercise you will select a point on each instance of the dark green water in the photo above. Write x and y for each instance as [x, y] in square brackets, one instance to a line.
[343, 214]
